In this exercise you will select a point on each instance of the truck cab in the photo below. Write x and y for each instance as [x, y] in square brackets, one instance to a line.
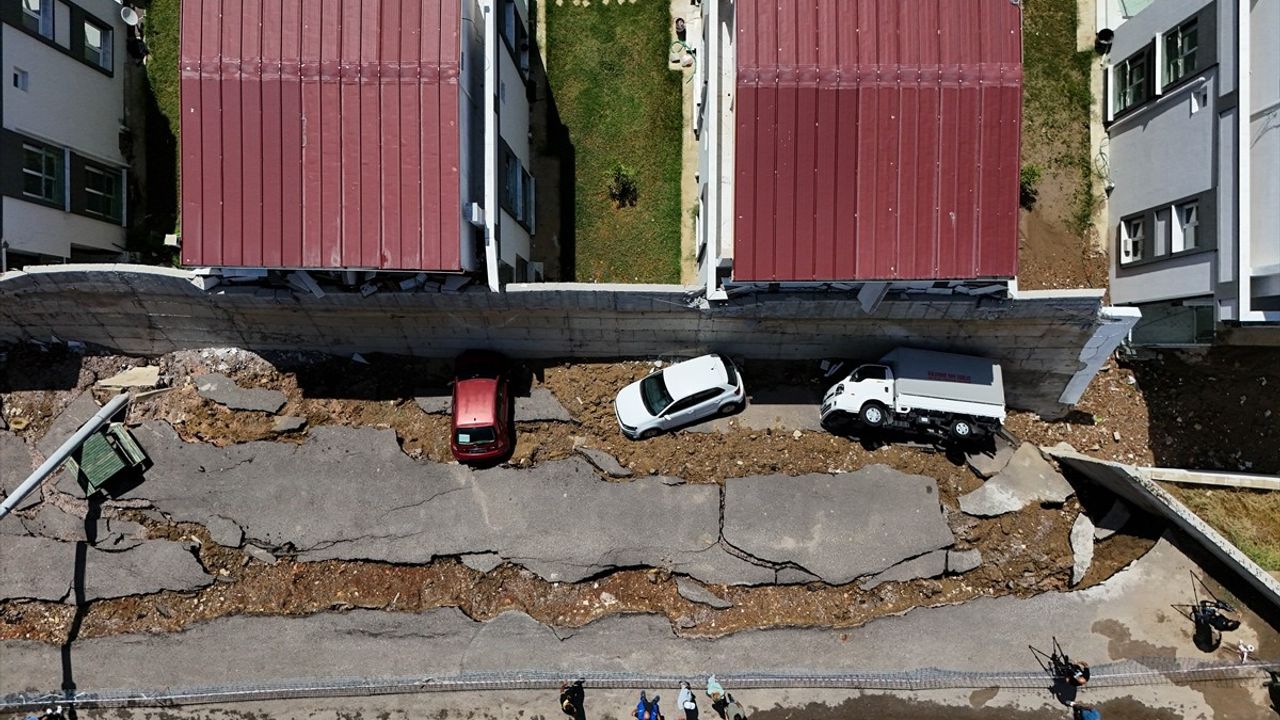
[869, 386]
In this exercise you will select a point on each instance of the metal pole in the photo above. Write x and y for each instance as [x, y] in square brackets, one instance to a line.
[60, 455]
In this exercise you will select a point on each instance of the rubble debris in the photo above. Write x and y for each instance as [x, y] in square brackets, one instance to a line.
[988, 464]
[287, 424]
[1081, 548]
[930, 565]
[1027, 479]
[80, 411]
[604, 462]
[962, 561]
[481, 562]
[147, 376]
[224, 391]
[694, 592]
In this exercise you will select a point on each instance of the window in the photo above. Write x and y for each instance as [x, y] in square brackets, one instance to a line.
[102, 192]
[516, 36]
[1185, 235]
[870, 372]
[42, 173]
[1180, 53]
[97, 44]
[20, 79]
[37, 16]
[517, 189]
[1131, 81]
[1131, 240]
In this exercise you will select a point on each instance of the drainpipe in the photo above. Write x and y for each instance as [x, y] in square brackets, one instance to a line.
[492, 209]
[62, 453]
[1244, 219]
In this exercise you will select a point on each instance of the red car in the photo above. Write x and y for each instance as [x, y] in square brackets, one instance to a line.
[481, 420]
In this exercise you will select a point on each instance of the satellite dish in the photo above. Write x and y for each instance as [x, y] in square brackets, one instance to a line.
[129, 15]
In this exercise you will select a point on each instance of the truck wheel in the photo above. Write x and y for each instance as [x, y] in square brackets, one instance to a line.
[873, 414]
[961, 429]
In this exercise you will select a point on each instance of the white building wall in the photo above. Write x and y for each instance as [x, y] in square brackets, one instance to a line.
[1264, 141]
[513, 128]
[66, 101]
[42, 230]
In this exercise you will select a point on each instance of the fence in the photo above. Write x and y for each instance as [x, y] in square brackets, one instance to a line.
[1128, 673]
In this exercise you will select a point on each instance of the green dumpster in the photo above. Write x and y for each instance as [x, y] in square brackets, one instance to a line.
[104, 456]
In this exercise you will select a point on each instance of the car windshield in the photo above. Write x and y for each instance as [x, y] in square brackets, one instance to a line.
[654, 393]
[731, 371]
[476, 436]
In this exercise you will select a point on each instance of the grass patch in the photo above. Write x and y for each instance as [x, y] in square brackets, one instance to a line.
[1248, 518]
[607, 66]
[1057, 101]
[163, 38]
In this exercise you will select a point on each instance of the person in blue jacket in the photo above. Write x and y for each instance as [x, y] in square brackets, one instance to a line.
[647, 709]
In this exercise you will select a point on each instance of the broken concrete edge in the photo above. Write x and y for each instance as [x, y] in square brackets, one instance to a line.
[1126, 482]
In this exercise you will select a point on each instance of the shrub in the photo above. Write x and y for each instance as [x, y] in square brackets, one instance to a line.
[622, 186]
[1028, 179]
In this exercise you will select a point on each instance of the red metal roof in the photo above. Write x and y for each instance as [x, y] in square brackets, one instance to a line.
[877, 139]
[320, 134]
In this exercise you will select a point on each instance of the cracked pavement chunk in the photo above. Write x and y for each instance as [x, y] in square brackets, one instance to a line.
[224, 391]
[929, 565]
[604, 462]
[389, 644]
[43, 568]
[1028, 478]
[481, 562]
[36, 568]
[15, 465]
[541, 406]
[962, 561]
[365, 500]
[67, 423]
[225, 532]
[1081, 547]
[838, 527]
[693, 592]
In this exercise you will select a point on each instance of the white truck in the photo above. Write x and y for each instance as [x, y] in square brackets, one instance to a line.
[960, 397]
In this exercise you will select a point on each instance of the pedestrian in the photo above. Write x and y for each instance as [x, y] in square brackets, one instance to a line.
[647, 709]
[572, 695]
[723, 703]
[1245, 650]
[1081, 711]
[1078, 673]
[686, 702]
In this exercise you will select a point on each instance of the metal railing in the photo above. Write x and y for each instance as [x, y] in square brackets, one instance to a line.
[1127, 673]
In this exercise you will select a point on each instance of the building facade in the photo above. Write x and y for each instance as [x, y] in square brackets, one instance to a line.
[1192, 112]
[63, 177]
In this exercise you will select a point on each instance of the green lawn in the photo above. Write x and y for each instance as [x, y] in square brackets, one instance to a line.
[607, 66]
[163, 35]
[1056, 100]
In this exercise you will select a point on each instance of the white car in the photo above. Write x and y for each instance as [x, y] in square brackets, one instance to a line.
[679, 395]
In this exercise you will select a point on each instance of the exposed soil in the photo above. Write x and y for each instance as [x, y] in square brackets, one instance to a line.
[1217, 410]
[1024, 553]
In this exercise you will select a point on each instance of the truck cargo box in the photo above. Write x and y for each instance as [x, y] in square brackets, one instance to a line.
[946, 376]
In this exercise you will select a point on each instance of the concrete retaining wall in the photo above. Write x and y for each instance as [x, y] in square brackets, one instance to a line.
[1038, 337]
[1126, 482]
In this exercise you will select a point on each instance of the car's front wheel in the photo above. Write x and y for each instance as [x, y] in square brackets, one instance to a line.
[649, 434]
